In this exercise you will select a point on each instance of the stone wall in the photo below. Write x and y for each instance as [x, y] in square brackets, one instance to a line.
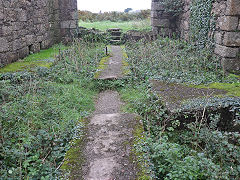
[30, 25]
[227, 30]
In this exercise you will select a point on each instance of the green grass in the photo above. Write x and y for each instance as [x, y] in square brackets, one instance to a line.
[45, 54]
[34, 60]
[143, 25]
[22, 65]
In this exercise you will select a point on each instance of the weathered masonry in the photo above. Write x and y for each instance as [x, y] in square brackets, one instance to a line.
[30, 25]
[226, 32]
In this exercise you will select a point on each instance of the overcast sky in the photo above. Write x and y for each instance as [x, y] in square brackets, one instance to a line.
[113, 5]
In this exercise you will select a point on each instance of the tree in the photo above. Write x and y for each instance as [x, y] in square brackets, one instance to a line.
[127, 10]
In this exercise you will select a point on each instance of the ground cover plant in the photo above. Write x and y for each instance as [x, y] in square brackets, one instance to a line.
[41, 111]
[197, 149]
[176, 61]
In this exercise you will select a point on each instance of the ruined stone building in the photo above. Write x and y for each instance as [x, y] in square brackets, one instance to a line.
[30, 25]
[226, 32]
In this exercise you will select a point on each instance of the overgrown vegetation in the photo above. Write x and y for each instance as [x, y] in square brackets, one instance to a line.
[199, 151]
[41, 112]
[178, 147]
[175, 61]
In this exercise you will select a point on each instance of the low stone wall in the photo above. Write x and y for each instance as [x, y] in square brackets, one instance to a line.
[28, 26]
[226, 34]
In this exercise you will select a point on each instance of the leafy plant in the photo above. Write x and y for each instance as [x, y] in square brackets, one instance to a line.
[202, 23]
[174, 61]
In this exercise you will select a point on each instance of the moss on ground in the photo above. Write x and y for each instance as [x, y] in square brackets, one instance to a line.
[40, 59]
[74, 157]
[24, 65]
[102, 65]
[142, 164]
[125, 65]
[232, 89]
[129, 95]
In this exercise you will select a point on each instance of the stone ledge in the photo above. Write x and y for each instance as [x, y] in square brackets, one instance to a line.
[179, 99]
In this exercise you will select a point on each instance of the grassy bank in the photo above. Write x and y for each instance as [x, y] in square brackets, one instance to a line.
[143, 25]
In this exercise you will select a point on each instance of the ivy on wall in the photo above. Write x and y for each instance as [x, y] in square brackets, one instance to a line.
[202, 23]
[172, 7]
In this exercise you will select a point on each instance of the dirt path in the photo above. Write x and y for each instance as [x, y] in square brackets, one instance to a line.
[113, 71]
[110, 133]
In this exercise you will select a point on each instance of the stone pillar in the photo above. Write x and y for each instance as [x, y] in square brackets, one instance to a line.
[162, 22]
[69, 19]
[227, 35]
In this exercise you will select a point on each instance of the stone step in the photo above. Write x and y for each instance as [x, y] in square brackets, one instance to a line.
[115, 37]
[116, 33]
[114, 29]
[115, 41]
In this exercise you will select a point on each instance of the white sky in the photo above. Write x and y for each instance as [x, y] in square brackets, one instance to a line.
[113, 5]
